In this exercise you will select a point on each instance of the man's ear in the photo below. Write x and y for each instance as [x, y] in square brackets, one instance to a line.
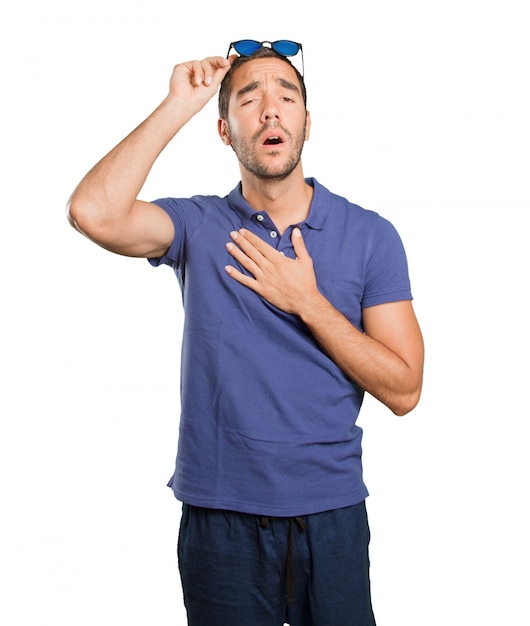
[222, 129]
[308, 125]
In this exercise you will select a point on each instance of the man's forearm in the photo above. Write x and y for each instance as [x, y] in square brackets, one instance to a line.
[370, 364]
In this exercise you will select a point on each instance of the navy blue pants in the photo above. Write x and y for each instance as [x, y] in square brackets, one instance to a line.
[248, 570]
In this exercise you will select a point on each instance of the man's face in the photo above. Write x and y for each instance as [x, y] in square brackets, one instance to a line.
[267, 122]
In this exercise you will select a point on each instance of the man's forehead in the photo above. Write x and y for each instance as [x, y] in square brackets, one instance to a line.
[258, 69]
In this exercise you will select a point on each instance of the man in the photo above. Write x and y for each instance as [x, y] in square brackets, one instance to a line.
[296, 303]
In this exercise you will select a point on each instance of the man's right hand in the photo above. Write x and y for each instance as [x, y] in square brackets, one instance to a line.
[194, 83]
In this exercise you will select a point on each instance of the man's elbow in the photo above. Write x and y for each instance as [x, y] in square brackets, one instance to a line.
[77, 214]
[72, 215]
[86, 219]
[406, 403]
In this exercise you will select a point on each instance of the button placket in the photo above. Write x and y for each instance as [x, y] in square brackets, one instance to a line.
[265, 221]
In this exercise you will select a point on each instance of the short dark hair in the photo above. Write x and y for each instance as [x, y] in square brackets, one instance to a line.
[226, 85]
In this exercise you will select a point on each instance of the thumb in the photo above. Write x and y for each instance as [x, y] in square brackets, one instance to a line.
[298, 243]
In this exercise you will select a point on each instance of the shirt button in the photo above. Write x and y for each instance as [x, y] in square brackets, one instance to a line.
[273, 234]
[260, 218]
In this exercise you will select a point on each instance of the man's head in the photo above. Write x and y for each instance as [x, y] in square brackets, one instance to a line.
[263, 115]
[262, 52]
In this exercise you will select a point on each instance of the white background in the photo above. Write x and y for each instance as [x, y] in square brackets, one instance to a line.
[420, 112]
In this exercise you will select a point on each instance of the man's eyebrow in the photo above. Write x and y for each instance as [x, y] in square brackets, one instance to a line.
[247, 88]
[288, 84]
[255, 84]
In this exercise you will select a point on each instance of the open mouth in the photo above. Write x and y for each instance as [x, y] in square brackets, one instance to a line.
[272, 137]
[272, 141]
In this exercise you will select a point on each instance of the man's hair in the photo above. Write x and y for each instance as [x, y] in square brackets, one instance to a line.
[226, 85]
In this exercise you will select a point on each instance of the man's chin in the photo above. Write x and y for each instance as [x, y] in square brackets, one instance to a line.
[274, 171]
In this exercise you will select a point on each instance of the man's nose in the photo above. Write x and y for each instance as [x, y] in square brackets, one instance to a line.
[270, 110]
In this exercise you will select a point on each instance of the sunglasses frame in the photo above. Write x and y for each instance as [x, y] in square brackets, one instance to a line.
[272, 44]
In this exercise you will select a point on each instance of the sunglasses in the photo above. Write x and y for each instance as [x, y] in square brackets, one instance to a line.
[284, 47]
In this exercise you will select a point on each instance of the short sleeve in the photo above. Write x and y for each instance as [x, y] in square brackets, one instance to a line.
[387, 275]
[185, 217]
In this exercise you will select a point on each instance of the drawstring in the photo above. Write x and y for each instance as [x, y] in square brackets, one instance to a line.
[289, 566]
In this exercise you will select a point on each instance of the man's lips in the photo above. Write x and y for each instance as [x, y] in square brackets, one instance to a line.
[272, 137]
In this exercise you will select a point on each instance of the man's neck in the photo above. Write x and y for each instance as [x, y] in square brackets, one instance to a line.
[286, 201]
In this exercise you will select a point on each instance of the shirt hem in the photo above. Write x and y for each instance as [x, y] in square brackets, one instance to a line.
[274, 510]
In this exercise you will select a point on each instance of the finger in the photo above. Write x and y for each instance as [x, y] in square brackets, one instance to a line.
[298, 243]
[202, 72]
[215, 68]
[253, 245]
[196, 73]
[243, 258]
[245, 280]
[221, 62]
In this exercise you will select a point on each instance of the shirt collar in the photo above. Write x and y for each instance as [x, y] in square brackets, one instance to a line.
[318, 211]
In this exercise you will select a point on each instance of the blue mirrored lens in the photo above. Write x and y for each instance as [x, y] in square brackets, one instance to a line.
[285, 47]
[247, 46]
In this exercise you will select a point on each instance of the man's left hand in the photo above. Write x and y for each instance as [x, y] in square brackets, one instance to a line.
[288, 284]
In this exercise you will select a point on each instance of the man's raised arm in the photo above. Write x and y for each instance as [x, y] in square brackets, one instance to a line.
[104, 206]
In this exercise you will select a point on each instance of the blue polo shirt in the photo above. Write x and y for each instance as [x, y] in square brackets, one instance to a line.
[268, 421]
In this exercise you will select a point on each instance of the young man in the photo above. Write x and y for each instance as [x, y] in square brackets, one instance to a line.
[296, 303]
